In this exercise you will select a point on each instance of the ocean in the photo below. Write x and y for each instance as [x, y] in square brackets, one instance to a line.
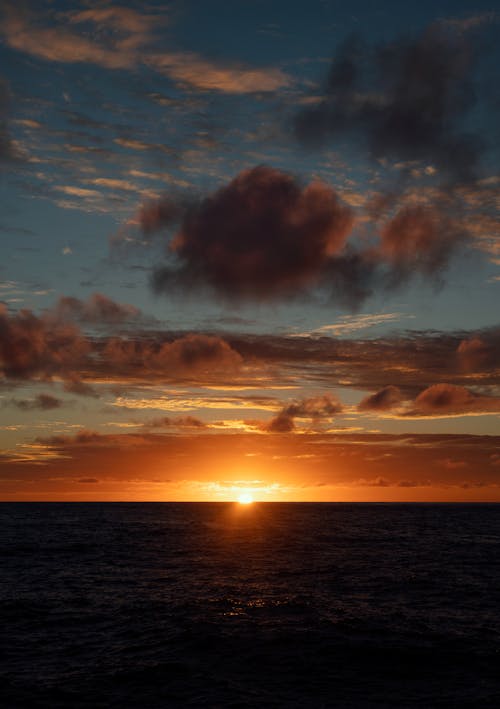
[266, 605]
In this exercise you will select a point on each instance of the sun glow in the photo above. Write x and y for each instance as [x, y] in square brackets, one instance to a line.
[245, 498]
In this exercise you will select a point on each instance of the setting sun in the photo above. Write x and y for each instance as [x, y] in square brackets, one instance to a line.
[245, 498]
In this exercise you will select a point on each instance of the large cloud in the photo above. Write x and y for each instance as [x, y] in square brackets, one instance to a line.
[262, 235]
[404, 101]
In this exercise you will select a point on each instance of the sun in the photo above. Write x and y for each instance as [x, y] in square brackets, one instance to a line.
[245, 498]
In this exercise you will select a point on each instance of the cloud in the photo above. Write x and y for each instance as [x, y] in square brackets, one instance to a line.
[88, 481]
[188, 356]
[44, 402]
[265, 236]
[7, 148]
[189, 422]
[261, 236]
[443, 399]
[475, 353]
[31, 346]
[404, 101]
[419, 238]
[188, 68]
[52, 346]
[436, 400]
[124, 32]
[315, 408]
[122, 38]
[450, 464]
[74, 385]
[352, 323]
[405, 360]
[97, 309]
[387, 398]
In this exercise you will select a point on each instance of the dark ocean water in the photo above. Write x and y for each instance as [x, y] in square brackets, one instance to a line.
[271, 605]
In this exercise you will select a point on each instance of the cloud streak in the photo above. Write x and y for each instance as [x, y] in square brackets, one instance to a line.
[121, 38]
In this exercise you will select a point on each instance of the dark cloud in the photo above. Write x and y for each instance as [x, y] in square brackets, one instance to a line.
[44, 402]
[155, 215]
[387, 398]
[262, 235]
[404, 101]
[7, 147]
[406, 360]
[176, 422]
[88, 481]
[315, 408]
[75, 385]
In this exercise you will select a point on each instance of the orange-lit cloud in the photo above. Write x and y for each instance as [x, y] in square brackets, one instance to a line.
[419, 238]
[124, 39]
[437, 400]
[195, 71]
[442, 399]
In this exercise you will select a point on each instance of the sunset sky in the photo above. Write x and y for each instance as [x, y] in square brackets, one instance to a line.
[250, 246]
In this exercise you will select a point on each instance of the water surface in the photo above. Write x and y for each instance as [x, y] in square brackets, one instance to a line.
[267, 605]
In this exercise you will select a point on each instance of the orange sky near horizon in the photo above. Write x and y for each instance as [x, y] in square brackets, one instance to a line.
[274, 468]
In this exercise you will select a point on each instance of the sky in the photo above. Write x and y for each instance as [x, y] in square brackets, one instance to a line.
[250, 247]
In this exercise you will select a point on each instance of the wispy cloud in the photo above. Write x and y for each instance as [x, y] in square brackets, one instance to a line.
[353, 323]
[127, 41]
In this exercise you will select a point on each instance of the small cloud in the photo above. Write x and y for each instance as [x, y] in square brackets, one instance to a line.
[387, 398]
[43, 402]
[449, 464]
[316, 408]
